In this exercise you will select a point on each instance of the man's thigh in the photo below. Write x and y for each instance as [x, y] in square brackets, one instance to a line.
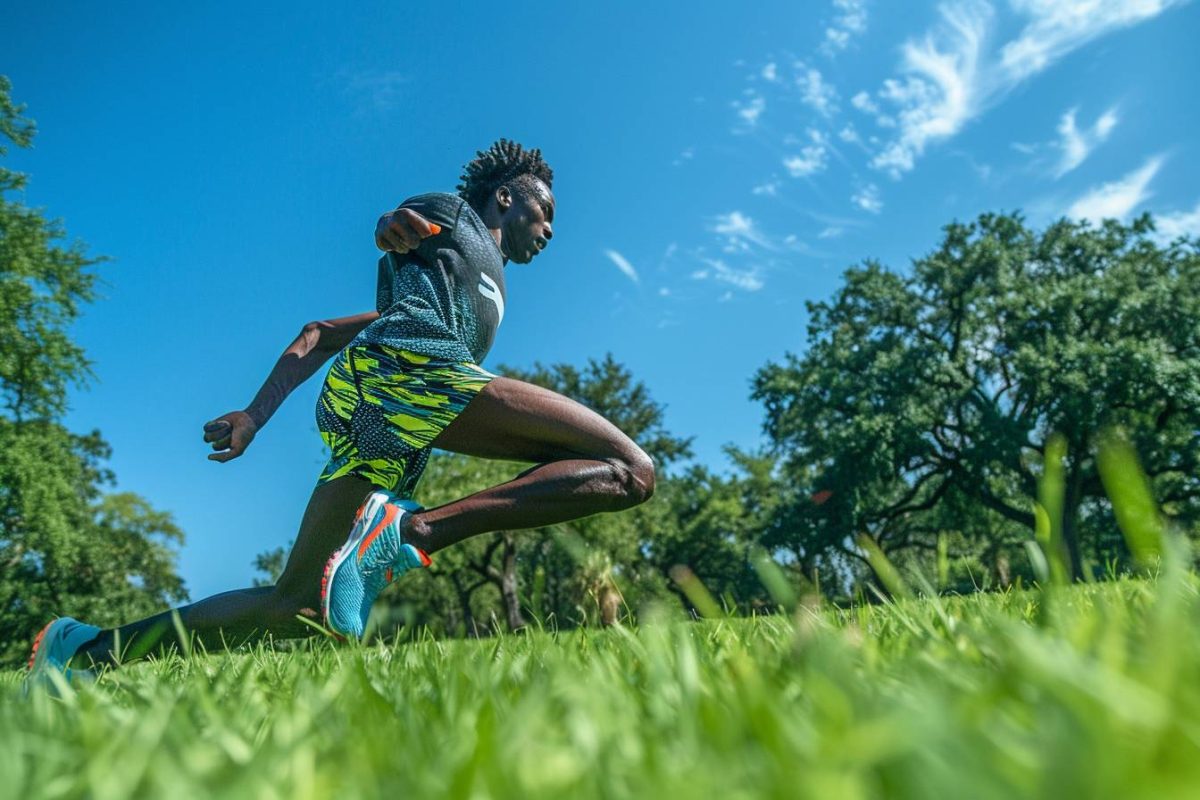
[518, 421]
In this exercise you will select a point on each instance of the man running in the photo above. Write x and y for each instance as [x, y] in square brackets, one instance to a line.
[406, 379]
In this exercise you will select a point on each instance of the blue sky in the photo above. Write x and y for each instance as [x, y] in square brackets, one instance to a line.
[716, 167]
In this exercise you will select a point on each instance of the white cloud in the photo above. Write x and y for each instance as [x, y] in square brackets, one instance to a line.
[1056, 27]
[831, 232]
[770, 188]
[663, 291]
[770, 72]
[382, 90]
[850, 21]
[863, 102]
[812, 159]
[685, 155]
[940, 92]
[1170, 227]
[849, 134]
[751, 110]
[868, 199]
[1117, 199]
[1075, 144]
[951, 75]
[740, 231]
[749, 280]
[814, 91]
[623, 264]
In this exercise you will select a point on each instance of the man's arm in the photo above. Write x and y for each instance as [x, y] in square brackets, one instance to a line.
[230, 434]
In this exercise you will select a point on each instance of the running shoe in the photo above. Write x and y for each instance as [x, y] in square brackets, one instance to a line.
[373, 556]
[53, 649]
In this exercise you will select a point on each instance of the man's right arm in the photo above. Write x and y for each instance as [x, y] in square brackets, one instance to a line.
[230, 434]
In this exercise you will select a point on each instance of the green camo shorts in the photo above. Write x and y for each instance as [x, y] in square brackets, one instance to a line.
[381, 408]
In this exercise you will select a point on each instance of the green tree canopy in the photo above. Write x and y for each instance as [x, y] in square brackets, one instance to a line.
[939, 389]
[65, 546]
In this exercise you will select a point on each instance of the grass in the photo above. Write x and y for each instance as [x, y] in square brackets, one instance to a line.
[1089, 691]
[1069, 691]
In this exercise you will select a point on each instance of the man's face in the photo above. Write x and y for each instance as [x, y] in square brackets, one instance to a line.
[525, 225]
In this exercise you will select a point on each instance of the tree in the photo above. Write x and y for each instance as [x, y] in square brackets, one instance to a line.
[271, 563]
[941, 388]
[65, 546]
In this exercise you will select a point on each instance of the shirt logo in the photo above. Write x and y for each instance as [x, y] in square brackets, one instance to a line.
[489, 289]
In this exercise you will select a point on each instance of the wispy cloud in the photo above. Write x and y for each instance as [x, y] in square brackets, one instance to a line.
[770, 188]
[1056, 27]
[623, 264]
[868, 199]
[740, 232]
[830, 232]
[1170, 227]
[375, 89]
[851, 21]
[1117, 199]
[940, 90]
[1075, 144]
[749, 280]
[815, 91]
[951, 74]
[750, 110]
[812, 158]
[685, 155]
[770, 72]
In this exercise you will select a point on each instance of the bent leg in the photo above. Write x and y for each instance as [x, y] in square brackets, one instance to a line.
[245, 615]
[585, 465]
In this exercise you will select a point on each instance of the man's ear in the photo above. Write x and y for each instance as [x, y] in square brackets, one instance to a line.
[504, 198]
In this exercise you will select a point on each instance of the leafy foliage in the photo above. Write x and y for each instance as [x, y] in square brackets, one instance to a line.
[922, 404]
[66, 547]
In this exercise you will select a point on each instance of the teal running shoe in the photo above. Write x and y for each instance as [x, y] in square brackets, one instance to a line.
[53, 649]
[371, 558]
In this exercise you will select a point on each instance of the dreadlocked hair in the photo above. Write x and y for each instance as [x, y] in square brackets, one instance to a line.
[504, 163]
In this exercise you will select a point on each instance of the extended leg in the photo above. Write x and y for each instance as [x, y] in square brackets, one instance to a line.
[248, 614]
[585, 465]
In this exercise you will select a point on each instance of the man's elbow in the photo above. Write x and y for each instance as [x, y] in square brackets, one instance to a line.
[317, 336]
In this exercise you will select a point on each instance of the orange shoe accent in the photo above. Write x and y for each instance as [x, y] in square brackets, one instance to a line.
[37, 642]
[433, 226]
[425, 559]
[388, 575]
[388, 516]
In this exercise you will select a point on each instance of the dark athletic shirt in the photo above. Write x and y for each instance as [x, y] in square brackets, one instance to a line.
[446, 298]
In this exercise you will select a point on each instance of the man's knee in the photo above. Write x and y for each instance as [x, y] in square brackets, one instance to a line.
[635, 478]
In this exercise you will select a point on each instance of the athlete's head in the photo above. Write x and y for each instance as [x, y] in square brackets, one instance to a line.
[509, 187]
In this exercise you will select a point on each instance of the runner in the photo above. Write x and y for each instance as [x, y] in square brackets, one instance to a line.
[406, 379]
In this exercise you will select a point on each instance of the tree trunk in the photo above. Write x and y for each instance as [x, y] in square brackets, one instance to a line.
[610, 602]
[1070, 522]
[508, 584]
[463, 593]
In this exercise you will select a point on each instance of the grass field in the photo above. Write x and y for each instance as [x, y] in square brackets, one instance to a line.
[1083, 692]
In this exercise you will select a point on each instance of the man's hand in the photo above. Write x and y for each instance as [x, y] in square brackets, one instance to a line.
[230, 435]
[402, 230]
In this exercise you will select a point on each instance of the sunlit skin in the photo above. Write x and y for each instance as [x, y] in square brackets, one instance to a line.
[582, 464]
